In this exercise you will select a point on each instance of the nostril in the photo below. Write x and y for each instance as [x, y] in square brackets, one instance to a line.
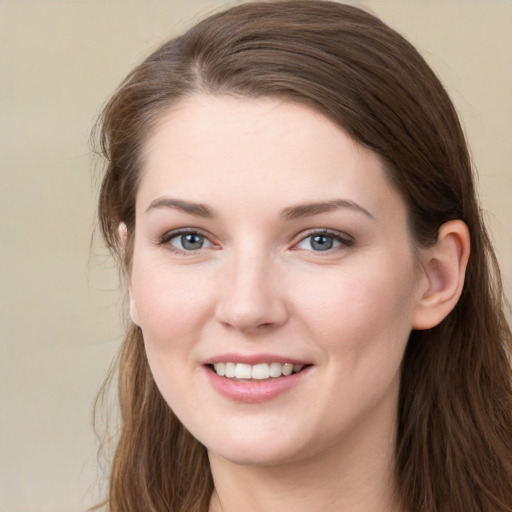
[249, 303]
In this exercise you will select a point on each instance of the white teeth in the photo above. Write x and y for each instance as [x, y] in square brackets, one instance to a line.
[220, 368]
[260, 371]
[243, 371]
[275, 369]
[230, 370]
[287, 369]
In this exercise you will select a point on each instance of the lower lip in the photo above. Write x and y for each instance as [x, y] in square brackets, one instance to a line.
[254, 391]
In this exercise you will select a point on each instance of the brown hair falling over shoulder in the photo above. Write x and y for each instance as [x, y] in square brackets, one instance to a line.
[454, 442]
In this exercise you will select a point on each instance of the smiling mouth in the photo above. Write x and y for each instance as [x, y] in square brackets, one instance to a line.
[262, 371]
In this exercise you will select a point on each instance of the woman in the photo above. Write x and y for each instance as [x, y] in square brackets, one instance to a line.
[316, 311]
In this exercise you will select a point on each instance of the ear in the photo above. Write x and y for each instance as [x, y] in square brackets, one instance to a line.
[122, 231]
[444, 267]
[134, 315]
[123, 235]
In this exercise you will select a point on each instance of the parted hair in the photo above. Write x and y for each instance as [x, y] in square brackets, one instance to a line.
[454, 439]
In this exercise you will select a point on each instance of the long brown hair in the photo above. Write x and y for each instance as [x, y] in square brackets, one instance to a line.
[454, 441]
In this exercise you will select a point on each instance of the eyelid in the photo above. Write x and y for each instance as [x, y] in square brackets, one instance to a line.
[340, 236]
[169, 235]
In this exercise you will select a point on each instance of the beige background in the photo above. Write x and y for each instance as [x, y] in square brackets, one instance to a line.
[60, 303]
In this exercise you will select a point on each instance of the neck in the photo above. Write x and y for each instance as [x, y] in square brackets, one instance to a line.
[355, 475]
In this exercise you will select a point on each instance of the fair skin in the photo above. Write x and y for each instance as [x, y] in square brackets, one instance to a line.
[264, 236]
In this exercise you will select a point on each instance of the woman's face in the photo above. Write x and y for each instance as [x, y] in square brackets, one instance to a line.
[267, 241]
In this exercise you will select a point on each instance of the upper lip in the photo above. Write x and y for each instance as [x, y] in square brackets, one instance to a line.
[253, 359]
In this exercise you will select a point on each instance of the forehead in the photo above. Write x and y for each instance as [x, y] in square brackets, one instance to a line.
[238, 150]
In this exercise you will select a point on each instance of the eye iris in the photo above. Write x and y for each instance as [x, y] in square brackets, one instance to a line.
[192, 241]
[321, 242]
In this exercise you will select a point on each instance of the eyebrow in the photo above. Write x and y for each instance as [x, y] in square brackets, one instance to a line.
[289, 213]
[198, 209]
[310, 209]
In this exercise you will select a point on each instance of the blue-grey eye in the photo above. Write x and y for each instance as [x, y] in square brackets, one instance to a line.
[322, 242]
[319, 242]
[189, 241]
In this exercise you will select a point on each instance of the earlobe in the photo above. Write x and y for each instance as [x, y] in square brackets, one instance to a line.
[134, 315]
[123, 236]
[133, 310]
[444, 266]
[122, 231]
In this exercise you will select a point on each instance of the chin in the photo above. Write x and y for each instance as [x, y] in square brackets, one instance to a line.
[255, 456]
[262, 450]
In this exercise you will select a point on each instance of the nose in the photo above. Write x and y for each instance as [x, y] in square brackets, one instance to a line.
[252, 296]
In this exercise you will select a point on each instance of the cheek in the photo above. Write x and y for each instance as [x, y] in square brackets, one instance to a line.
[172, 308]
[169, 303]
[364, 306]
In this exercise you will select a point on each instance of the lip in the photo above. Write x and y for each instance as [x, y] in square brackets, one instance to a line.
[253, 359]
[253, 391]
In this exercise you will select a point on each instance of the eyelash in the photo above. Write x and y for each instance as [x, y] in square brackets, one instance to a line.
[343, 239]
[166, 239]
